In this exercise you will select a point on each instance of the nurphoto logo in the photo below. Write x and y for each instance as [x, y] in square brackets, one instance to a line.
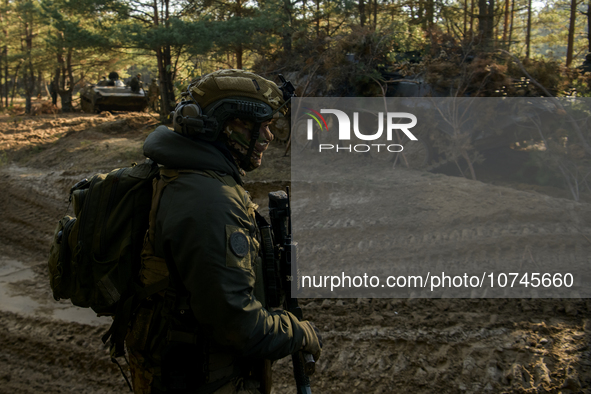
[394, 121]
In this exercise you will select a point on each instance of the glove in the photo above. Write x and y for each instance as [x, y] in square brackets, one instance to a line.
[312, 340]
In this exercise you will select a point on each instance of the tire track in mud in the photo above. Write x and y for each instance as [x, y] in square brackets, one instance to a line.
[38, 355]
[448, 346]
[443, 224]
[26, 216]
[31, 203]
[452, 252]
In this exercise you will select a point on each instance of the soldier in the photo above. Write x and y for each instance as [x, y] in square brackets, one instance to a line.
[586, 66]
[136, 83]
[210, 332]
[113, 78]
[53, 91]
[153, 93]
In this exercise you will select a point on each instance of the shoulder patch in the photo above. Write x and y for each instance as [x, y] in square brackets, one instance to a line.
[239, 244]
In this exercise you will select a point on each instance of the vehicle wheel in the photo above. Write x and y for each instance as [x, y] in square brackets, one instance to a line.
[86, 105]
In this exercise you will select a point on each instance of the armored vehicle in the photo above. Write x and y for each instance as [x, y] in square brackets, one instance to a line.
[117, 97]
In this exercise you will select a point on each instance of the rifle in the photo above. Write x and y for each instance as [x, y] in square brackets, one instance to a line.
[279, 261]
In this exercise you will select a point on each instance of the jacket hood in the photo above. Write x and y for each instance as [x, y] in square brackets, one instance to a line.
[172, 150]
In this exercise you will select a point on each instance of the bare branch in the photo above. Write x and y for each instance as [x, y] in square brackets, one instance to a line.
[556, 102]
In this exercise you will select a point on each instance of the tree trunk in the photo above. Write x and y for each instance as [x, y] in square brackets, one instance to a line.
[421, 14]
[39, 84]
[571, 33]
[362, 13]
[318, 17]
[472, 19]
[29, 74]
[66, 99]
[482, 19]
[465, 29]
[491, 22]
[164, 73]
[67, 96]
[430, 13]
[528, 31]
[164, 61]
[589, 26]
[486, 21]
[2, 59]
[65, 77]
[5, 56]
[286, 34]
[511, 27]
[2, 85]
[15, 81]
[506, 24]
[239, 53]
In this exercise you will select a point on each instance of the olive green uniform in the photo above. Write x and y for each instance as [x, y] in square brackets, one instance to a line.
[205, 230]
[153, 93]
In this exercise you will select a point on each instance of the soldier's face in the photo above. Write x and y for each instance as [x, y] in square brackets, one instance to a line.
[239, 138]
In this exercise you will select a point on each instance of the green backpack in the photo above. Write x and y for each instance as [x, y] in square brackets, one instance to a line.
[95, 256]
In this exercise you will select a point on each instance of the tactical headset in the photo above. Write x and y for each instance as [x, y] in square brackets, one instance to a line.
[190, 121]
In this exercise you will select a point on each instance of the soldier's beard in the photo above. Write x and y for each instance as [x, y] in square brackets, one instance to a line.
[239, 146]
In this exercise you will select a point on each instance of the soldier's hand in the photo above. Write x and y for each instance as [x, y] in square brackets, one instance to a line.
[312, 340]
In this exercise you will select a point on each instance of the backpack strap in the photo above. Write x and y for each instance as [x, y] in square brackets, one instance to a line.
[168, 175]
[154, 274]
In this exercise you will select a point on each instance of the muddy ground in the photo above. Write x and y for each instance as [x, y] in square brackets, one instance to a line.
[371, 345]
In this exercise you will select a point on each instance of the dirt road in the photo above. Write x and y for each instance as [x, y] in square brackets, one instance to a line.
[371, 345]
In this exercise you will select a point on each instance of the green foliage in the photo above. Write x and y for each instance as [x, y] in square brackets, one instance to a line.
[582, 85]
[550, 36]
[548, 72]
[322, 40]
[536, 170]
[349, 63]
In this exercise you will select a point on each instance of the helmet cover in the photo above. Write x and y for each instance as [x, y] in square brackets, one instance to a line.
[236, 83]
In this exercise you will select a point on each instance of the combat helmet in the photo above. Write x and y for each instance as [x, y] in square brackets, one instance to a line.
[226, 95]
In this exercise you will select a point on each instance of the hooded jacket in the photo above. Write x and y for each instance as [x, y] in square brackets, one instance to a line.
[205, 230]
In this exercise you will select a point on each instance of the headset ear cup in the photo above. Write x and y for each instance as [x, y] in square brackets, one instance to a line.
[187, 118]
[176, 125]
